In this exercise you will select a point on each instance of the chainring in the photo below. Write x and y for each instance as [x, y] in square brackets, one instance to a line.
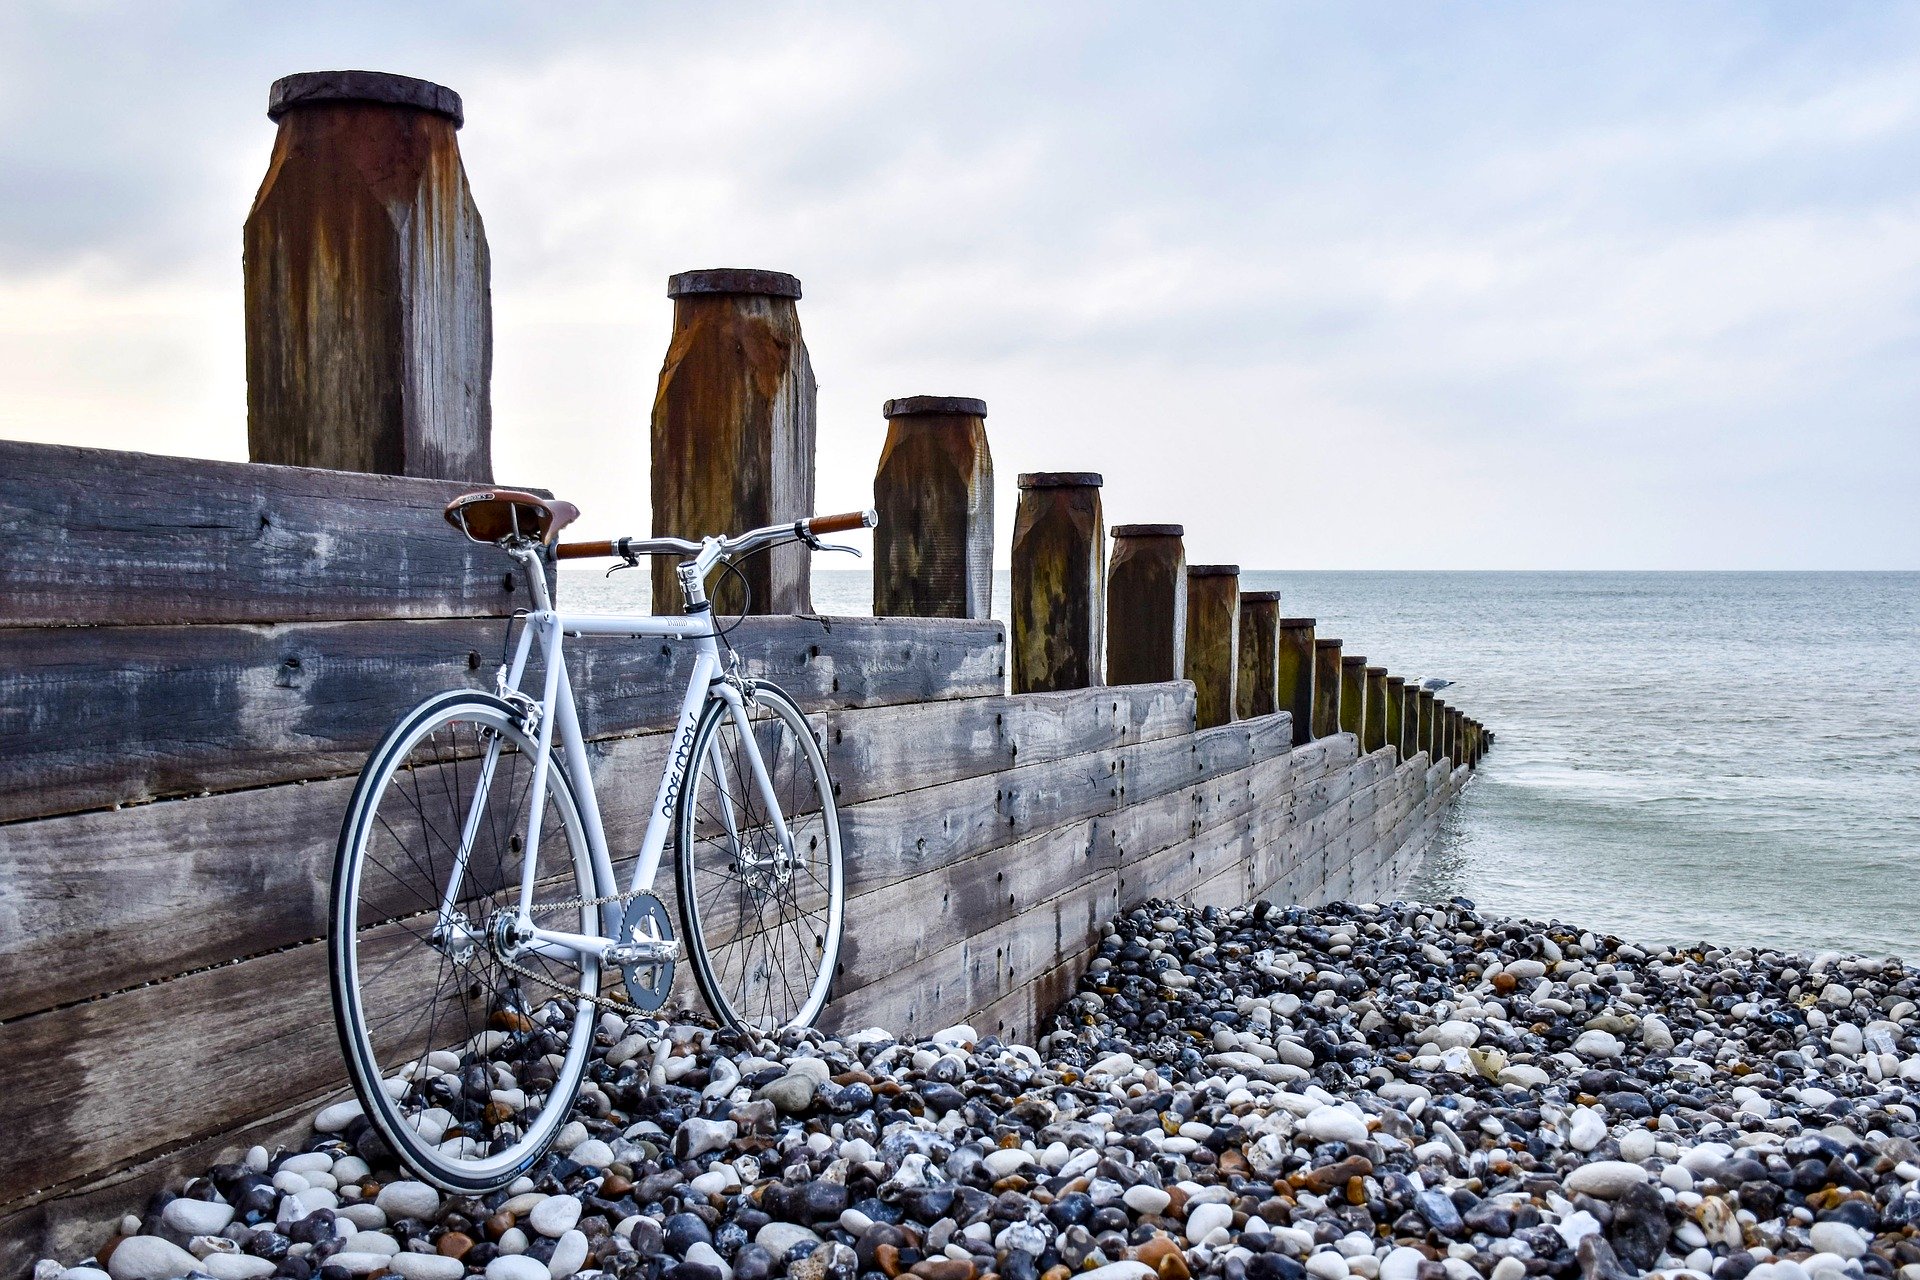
[647, 984]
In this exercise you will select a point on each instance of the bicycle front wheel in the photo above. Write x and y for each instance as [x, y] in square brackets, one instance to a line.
[761, 917]
[466, 1051]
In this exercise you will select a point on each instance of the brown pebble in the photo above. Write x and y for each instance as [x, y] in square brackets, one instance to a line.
[454, 1244]
[944, 1269]
[887, 1258]
[509, 1020]
[1164, 1256]
[1056, 1272]
[496, 1113]
[499, 1224]
[613, 1186]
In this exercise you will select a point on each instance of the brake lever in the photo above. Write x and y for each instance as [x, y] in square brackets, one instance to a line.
[815, 544]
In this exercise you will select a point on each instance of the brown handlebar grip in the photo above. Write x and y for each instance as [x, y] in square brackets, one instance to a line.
[841, 523]
[582, 550]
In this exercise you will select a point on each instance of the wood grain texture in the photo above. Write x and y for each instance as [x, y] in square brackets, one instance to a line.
[368, 314]
[933, 490]
[734, 424]
[1257, 690]
[1326, 687]
[104, 537]
[87, 900]
[1146, 605]
[99, 716]
[1058, 571]
[1213, 641]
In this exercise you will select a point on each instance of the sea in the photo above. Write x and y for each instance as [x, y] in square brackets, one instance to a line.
[1682, 757]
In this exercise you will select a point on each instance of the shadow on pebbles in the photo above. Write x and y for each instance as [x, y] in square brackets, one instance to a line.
[1403, 1092]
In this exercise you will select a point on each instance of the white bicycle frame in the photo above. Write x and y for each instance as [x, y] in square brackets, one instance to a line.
[554, 714]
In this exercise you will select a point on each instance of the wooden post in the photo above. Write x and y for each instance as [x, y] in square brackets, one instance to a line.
[933, 550]
[1374, 735]
[1258, 693]
[1295, 675]
[1438, 746]
[1423, 726]
[1453, 737]
[1326, 688]
[1353, 697]
[733, 433]
[1059, 542]
[1147, 604]
[1213, 634]
[1397, 714]
[368, 321]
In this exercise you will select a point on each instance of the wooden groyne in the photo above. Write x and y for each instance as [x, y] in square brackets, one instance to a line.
[196, 656]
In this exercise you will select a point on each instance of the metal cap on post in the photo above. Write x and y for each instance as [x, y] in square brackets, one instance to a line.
[933, 489]
[1059, 544]
[1353, 697]
[1374, 732]
[1293, 675]
[369, 322]
[1397, 715]
[734, 426]
[1147, 604]
[1326, 687]
[1259, 687]
[1213, 631]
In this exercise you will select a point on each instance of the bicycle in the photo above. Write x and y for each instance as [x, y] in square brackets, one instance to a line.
[474, 905]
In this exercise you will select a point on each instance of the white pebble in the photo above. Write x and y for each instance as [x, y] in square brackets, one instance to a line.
[517, 1266]
[426, 1266]
[568, 1253]
[1838, 1237]
[1142, 1198]
[408, 1200]
[555, 1216]
[1204, 1219]
[1328, 1265]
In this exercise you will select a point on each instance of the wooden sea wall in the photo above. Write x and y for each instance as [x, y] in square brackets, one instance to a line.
[196, 657]
[178, 737]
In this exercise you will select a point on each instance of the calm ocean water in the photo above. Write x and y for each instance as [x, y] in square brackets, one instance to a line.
[1682, 756]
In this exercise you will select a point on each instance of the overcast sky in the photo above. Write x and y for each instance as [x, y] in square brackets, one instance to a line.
[1337, 286]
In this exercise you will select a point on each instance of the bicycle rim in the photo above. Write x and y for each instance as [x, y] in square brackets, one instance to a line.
[763, 941]
[466, 1068]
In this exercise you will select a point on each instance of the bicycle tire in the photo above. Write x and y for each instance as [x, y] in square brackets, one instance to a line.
[730, 959]
[382, 919]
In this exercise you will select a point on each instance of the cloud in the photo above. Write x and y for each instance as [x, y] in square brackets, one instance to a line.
[1637, 286]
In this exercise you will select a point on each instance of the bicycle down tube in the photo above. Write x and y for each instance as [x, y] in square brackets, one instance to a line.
[558, 714]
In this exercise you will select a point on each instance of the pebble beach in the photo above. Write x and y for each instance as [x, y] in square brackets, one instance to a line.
[1393, 1092]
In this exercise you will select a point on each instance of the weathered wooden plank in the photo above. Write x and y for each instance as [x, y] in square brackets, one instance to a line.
[88, 900]
[914, 745]
[1018, 1016]
[900, 924]
[98, 536]
[97, 716]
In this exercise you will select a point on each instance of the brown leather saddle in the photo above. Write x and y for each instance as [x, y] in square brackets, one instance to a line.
[495, 515]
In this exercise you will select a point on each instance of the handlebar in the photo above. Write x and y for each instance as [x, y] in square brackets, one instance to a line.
[631, 548]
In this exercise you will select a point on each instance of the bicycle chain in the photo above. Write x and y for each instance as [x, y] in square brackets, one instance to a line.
[614, 1003]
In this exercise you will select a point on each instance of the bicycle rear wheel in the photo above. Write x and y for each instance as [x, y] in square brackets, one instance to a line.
[762, 929]
[465, 1066]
